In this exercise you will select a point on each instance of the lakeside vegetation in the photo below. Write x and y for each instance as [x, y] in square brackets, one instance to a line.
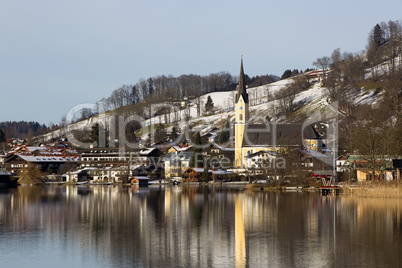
[372, 189]
[384, 189]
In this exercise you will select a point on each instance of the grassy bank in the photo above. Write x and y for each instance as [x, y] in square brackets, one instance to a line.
[374, 189]
[366, 189]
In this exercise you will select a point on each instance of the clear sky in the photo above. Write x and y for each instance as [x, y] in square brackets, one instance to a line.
[57, 54]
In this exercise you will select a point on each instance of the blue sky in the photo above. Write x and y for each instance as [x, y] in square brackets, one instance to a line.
[57, 54]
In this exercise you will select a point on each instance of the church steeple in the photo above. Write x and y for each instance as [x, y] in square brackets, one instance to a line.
[241, 87]
[241, 117]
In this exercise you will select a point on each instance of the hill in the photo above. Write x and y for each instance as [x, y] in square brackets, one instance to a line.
[361, 90]
[265, 101]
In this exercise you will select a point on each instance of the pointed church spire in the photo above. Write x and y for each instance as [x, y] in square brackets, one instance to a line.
[241, 87]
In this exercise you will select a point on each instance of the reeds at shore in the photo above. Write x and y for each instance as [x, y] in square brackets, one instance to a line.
[374, 189]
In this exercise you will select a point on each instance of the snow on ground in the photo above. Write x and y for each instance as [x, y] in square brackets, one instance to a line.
[222, 100]
[382, 68]
[305, 96]
[262, 104]
[225, 100]
[224, 107]
[365, 97]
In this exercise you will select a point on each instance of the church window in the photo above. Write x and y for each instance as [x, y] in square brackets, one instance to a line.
[240, 117]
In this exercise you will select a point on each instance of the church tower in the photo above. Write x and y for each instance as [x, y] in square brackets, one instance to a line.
[242, 116]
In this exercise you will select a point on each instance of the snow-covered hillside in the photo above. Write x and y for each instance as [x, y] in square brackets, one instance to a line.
[383, 68]
[262, 101]
[262, 104]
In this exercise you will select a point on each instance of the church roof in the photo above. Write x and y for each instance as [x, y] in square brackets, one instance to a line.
[241, 87]
[257, 135]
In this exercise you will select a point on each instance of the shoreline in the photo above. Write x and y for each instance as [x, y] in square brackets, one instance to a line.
[365, 189]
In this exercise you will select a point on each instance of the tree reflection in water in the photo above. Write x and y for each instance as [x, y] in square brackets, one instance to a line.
[194, 226]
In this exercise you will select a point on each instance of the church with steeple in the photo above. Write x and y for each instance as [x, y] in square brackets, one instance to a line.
[242, 115]
[266, 139]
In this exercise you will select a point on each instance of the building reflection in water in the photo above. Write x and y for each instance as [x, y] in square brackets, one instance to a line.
[196, 227]
[240, 235]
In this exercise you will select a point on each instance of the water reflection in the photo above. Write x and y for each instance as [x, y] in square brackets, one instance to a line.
[240, 235]
[103, 226]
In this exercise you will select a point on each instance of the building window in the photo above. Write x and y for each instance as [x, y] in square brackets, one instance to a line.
[240, 117]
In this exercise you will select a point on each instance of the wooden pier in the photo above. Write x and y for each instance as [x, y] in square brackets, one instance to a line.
[330, 190]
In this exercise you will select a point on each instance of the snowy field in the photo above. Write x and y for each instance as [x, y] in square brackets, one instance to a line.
[261, 100]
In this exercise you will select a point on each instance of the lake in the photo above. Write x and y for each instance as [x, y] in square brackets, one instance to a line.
[195, 226]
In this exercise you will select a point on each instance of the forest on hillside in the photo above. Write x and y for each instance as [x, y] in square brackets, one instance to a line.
[22, 129]
[371, 128]
[345, 72]
[374, 128]
[163, 88]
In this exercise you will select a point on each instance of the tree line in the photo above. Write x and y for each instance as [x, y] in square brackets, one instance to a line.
[290, 73]
[169, 88]
[163, 88]
[22, 129]
[344, 75]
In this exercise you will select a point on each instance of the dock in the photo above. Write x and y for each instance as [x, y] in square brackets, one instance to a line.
[330, 190]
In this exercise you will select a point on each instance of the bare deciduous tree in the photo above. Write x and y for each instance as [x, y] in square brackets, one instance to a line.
[369, 137]
[323, 63]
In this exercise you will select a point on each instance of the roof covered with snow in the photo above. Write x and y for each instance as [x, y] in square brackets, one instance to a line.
[52, 158]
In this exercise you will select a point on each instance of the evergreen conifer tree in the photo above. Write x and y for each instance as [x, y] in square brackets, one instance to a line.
[174, 133]
[225, 132]
[160, 133]
[197, 159]
[209, 105]
[377, 35]
[286, 74]
[2, 136]
[94, 135]
[205, 174]
[150, 86]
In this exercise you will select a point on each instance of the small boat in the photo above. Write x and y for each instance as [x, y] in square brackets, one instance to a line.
[80, 183]
[101, 183]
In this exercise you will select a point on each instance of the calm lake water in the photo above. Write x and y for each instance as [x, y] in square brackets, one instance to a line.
[192, 226]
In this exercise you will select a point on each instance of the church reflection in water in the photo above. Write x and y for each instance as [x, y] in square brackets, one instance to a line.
[193, 226]
[240, 235]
